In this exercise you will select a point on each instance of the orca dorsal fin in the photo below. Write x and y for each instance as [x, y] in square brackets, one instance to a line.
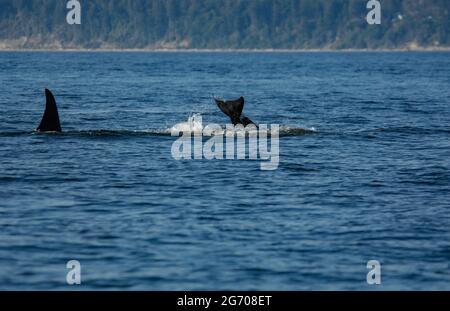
[232, 108]
[50, 120]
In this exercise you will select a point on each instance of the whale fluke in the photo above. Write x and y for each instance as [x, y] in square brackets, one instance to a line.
[50, 120]
[233, 109]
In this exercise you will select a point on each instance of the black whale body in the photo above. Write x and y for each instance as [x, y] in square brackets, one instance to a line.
[50, 120]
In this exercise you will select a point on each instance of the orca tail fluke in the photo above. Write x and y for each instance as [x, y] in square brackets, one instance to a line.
[50, 120]
[233, 109]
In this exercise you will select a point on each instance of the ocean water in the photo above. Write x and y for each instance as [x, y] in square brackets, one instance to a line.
[368, 179]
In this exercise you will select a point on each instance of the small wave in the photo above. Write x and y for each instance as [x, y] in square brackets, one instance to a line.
[296, 131]
[284, 131]
[91, 133]
[193, 125]
[15, 133]
[404, 130]
[116, 133]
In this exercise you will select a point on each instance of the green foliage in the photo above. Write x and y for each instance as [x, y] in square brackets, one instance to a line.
[224, 24]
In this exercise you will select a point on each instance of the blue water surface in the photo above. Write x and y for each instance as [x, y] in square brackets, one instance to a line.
[373, 183]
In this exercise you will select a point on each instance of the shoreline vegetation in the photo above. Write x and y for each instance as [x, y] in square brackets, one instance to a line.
[225, 26]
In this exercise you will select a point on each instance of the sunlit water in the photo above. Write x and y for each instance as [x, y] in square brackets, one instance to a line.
[363, 174]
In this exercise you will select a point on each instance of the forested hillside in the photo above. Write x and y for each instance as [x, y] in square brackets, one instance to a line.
[224, 24]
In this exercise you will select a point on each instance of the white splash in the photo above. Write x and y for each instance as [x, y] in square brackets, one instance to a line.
[193, 125]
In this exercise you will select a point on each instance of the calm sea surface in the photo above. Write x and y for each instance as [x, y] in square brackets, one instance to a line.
[372, 183]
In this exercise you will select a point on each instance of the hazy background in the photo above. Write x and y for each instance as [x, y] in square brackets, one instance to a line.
[225, 24]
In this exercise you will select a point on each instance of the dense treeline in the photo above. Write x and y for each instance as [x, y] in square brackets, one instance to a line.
[223, 24]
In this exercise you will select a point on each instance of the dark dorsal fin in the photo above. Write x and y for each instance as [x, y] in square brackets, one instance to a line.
[232, 108]
[50, 120]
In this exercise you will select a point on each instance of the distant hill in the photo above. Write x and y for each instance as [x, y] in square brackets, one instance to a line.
[224, 24]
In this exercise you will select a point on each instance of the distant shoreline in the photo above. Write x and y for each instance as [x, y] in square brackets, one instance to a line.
[434, 49]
